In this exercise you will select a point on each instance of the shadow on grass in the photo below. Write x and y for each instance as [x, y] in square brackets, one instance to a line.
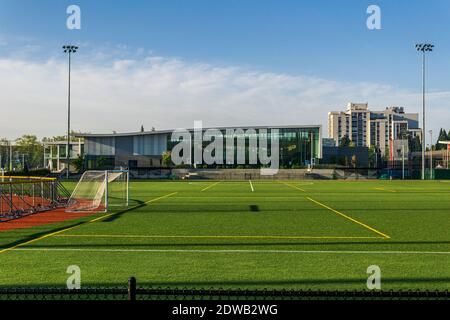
[25, 238]
[120, 213]
[387, 245]
[407, 283]
[296, 282]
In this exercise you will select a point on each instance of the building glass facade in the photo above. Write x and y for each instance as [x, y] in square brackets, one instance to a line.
[298, 145]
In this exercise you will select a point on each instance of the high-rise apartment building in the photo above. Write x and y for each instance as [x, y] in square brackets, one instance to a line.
[388, 130]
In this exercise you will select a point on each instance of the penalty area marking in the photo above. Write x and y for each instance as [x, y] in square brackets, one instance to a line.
[211, 185]
[239, 251]
[15, 247]
[349, 218]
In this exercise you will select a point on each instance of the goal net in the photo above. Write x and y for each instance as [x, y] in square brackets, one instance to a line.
[99, 190]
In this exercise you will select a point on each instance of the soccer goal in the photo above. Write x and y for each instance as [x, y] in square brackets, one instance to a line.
[100, 190]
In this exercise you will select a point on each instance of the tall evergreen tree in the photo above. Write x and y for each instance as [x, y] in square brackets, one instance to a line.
[442, 137]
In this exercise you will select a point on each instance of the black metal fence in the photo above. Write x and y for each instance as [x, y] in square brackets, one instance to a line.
[133, 292]
[21, 196]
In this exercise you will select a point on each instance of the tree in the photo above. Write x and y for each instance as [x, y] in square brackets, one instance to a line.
[142, 128]
[167, 159]
[414, 143]
[442, 137]
[101, 162]
[4, 152]
[78, 163]
[345, 141]
[30, 148]
[64, 137]
[373, 154]
[354, 161]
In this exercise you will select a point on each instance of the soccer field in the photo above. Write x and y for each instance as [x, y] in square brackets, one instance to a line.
[247, 234]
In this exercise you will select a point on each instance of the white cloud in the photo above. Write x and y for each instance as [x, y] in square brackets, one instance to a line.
[167, 93]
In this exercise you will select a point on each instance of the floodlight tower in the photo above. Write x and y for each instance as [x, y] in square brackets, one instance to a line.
[423, 47]
[431, 154]
[69, 49]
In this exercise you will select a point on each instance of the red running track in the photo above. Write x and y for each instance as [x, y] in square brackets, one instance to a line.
[42, 218]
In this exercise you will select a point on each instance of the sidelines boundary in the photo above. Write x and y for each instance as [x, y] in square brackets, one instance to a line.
[445, 253]
[83, 223]
[206, 236]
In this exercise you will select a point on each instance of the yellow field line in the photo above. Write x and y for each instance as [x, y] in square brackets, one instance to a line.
[206, 237]
[28, 177]
[76, 226]
[211, 185]
[383, 189]
[292, 186]
[349, 218]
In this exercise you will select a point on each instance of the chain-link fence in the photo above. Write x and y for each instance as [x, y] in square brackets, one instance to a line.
[134, 292]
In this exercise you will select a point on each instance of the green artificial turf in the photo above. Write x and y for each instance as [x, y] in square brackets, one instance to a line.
[283, 235]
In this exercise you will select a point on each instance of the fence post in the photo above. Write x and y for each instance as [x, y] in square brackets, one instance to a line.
[132, 289]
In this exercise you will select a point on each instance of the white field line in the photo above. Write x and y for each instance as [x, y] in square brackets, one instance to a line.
[239, 251]
[251, 185]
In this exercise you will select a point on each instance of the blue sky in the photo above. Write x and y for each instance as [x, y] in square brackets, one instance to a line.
[325, 40]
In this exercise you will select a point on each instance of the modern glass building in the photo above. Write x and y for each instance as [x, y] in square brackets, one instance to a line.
[298, 146]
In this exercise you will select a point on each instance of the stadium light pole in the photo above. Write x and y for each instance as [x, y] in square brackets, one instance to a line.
[69, 49]
[423, 47]
[431, 154]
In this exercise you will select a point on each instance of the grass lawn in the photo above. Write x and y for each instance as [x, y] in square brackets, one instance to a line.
[292, 234]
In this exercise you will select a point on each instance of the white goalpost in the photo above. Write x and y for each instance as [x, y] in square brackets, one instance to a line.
[99, 190]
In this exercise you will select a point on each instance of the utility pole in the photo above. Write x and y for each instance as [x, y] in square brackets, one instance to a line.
[431, 154]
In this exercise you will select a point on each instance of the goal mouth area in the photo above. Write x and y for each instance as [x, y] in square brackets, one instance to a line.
[25, 195]
[83, 206]
[98, 190]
